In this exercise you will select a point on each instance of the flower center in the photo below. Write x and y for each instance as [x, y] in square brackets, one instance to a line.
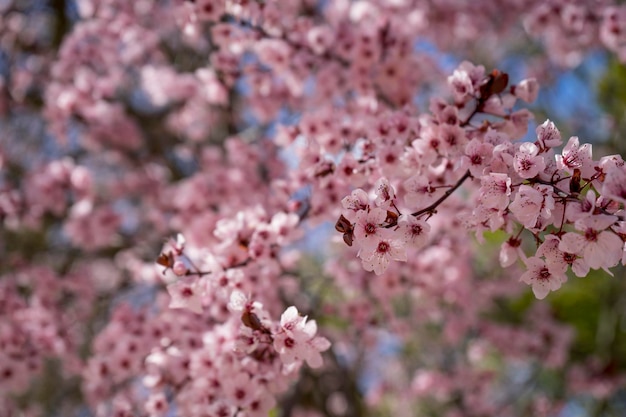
[370, 228]
[569, 258]
[383, 247]
[289, 342]
[525, 164]
[591, 235]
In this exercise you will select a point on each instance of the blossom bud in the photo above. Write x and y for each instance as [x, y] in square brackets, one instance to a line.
[179, 268]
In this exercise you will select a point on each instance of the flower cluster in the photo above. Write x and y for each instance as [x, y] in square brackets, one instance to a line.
[572, 205]
[237, 366]
[242, 126]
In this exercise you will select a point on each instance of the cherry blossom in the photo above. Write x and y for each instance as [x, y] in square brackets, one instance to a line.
[477, 157]
[186, 293]
[527, 90]
[250, 128]
[541, 277]
[368, 227]
[376, 257]
[296, 340]
[548, 136]
[530, 203]
[600, 248]
[576, 156]
[510, 251]
[461, 85]
[495, 190]
[558, 260]
[415, 231]
[614, 185]
[527, 161]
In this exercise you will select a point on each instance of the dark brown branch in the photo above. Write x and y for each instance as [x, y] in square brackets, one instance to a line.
[433, 206]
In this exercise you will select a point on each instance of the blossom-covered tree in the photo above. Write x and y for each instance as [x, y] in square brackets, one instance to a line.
[171, 171]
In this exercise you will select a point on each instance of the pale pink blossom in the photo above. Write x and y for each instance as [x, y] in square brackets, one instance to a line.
[541, 278]
[419, 192]
[356, 201]
[558, 260]
[413, 230]
[296, 340]
[186, 293]
[527, 90]
[495, 190]
[369, 226]
[528, 163]
[283, 227]
[453, 139]
[376, 257]
[510, 252]
[179, 268]
[478, 155]
[157, 405]
[516, 125]
[598, 245]
[548, 136]
[239, 389]
[576, 156]
[385, 193]
[320, 38]
[532, 202]
[461, 84]
[614, 185]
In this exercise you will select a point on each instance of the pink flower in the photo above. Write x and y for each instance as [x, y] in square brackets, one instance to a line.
[377, 257]
[548, 136]
[368, 228]
[320, 38]
[614, 185]
[476, 73]
[542, 278]
[253, 315]
[516, 125]
[495, 190]
[530, 203]
[600, 248]
[186, 293]
[453, 138]
[414, 231]
[296, 341]
[261, 405]
[210, 10]
[510, 251]
[558, 260]
[356, 201]
[419, 191]
[384, 193]
[575, 156]
[461, 85]
[284, 227]
[239, 389]
[527, 90]
[528, 163]
[478, 155]
[156, 405]
[179, 268]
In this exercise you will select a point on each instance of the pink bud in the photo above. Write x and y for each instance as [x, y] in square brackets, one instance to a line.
[179, 268]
